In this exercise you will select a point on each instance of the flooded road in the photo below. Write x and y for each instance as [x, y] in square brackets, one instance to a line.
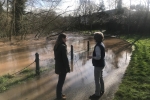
[79, 83]
[18, 55]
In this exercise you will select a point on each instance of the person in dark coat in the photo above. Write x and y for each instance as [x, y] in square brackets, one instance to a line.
[61, 64]
[98, 61]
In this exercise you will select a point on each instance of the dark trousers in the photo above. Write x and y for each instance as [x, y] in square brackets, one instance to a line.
[61, 80]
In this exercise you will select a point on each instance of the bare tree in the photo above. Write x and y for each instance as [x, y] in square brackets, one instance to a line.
[112, 4]
[18, 11]
[1, 4]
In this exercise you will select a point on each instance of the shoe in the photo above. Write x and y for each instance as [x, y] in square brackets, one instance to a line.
[101, 93]
[63, 95]
[94, 97]
[62, 98]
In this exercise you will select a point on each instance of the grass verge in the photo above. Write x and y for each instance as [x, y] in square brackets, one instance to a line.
[7, 81]
[136, 81]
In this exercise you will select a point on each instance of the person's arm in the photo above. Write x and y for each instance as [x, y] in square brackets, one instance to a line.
[98, 53]
[65, 58]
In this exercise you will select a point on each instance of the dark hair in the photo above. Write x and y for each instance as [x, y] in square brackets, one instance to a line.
[59, 40]
[98, 36]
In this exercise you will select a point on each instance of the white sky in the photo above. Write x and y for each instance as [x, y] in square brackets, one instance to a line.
[125, 2]
[71, 4]
[67, 5]
[74, 3]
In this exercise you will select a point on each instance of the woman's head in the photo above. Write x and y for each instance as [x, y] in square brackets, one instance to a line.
[98, 36]
[61, 38]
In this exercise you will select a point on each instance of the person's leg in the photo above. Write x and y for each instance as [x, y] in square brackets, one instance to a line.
[60, 83]
[102, 81]
[97, 75]
[97, 80]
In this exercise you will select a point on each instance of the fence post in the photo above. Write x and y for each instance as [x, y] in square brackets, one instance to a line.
[71, 66]
[37, 64]
[71, 52]
[88, 46]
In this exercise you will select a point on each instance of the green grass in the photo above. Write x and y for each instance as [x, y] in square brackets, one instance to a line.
[7, 81]
[136, 81]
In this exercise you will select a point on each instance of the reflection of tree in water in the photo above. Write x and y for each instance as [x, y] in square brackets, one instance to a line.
[80, 59]
[118, 49]
[114, 52]
[109, 56]
[117, 57]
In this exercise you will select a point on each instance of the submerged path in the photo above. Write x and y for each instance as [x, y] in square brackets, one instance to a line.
[79, 84]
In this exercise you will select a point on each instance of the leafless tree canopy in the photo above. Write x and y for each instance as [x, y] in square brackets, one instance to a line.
[41, 17]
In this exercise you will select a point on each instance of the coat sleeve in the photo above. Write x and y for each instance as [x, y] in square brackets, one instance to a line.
[65, 58]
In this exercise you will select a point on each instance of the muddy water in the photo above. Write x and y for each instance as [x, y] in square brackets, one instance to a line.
[18, 55]
[80, 81]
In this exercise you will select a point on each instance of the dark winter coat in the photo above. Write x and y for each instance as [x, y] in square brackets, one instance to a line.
[61, 59]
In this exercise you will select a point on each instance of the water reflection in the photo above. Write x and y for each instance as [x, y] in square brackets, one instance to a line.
[83, 65]
[16, 57]
[79, 80]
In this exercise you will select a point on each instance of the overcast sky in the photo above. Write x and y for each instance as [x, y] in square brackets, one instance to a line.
[72, 4]
[67, 5]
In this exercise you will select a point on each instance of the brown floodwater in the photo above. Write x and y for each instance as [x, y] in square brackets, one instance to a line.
[17, 55]
[79, 82]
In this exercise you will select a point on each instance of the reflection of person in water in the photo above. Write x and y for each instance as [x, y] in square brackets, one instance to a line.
[61, 64]
[98, 60]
